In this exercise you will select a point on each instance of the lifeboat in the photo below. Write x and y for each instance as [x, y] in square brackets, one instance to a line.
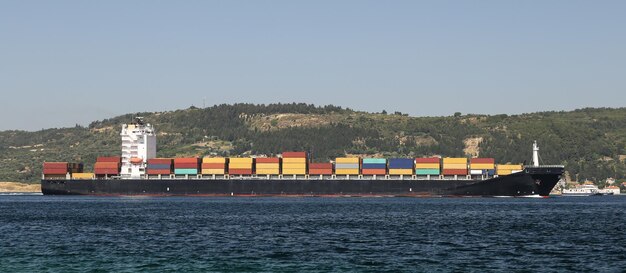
[136, 160]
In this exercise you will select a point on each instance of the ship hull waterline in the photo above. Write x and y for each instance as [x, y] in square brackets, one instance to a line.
[518, 184]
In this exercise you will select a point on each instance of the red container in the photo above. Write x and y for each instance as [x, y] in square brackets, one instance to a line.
[321, 166]
[213, 166]
[185, 165]
[54, 171]
[55, 165]
[109, 159]
[106, 165]
[482, 161]
[294, 154]
[320, 171]
[428, 160]
[160, 161]
[374, 171]
[150, 171]
[102, 171]
[454, 172]
[240, 171]
[186, 160]
[267, 160]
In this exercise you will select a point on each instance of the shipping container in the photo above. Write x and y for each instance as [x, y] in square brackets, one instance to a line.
[160, 161]
[320, 171]
[186, 171]
[240, 171]
[160, 166]
[240, 160]
[509, 167]
[213, 166]
[294, 165]
[267, 160]
[55, 171]
[482, 161]
[240, 165]
[454, 160]
[400, 172]
[294, 155]
[268, 171]
[296, 171]
[400, 163]
[427, 160]
[107, 165]
[374, 161]
[453, 166]
[267, 165]
[347, 160]
[427, 166]
[427, 171]
[374, 171]
[347, 166]
[321, 166]
[454, 172]
[476, 172]
[186, 165]
[83, 175]
[186, 160]
[294, 160]
[346, 171]
[482, 166]
[158, 171]
[214, 160]
[374, 166]
[213, 171]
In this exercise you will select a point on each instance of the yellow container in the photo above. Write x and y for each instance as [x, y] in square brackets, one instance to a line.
[455, 166]
[214, 160]
[299, 171]
[427, 166]
[267, 165]
[346, 171]
[213, 171]
[454, 160]
[400, 171]
[482, 166]
[509, 167]
[347, 160]
[238, 160]
[267, 171]
[82, 176]
[294, 165]
[294, 160]
[240, 166]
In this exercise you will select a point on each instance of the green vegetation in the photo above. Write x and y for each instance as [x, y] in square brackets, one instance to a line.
[590, 142]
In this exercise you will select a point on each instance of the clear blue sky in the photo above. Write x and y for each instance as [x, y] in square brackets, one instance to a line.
[68, 62]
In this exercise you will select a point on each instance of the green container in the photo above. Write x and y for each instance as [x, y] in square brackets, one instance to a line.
[374, 161]
[427, 171]
[186, 171]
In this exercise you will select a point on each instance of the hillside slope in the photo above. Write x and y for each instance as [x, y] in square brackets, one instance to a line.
[590, 142]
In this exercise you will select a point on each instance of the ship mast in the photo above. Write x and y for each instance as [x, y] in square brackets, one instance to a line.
[535, 154]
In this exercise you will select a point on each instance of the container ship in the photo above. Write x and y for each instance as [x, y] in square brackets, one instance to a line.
[138, 171]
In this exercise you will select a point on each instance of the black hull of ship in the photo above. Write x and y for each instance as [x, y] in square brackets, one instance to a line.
[539, 183]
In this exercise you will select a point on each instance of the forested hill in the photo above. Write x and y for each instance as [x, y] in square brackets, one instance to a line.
[591, 143]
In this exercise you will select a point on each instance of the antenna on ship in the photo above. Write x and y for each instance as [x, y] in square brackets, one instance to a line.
[535, 154]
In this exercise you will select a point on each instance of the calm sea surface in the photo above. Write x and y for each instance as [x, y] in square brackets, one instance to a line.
[107, 234]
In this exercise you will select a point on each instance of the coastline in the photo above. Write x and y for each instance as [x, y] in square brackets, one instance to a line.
[7, 187]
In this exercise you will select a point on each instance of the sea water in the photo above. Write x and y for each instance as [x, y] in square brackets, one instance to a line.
[199, 234]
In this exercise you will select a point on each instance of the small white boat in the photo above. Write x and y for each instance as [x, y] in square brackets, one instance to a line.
[581, 190]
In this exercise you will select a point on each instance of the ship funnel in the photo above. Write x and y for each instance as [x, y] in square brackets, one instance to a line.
[535, 154]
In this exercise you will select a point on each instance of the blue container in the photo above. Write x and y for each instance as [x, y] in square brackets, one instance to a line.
[375, 161]
[186, 171]
[159, 166]
[374, 166]
[400, 163]
[489, 172]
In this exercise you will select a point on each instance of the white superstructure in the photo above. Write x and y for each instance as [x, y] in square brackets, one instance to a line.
[138, 145]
